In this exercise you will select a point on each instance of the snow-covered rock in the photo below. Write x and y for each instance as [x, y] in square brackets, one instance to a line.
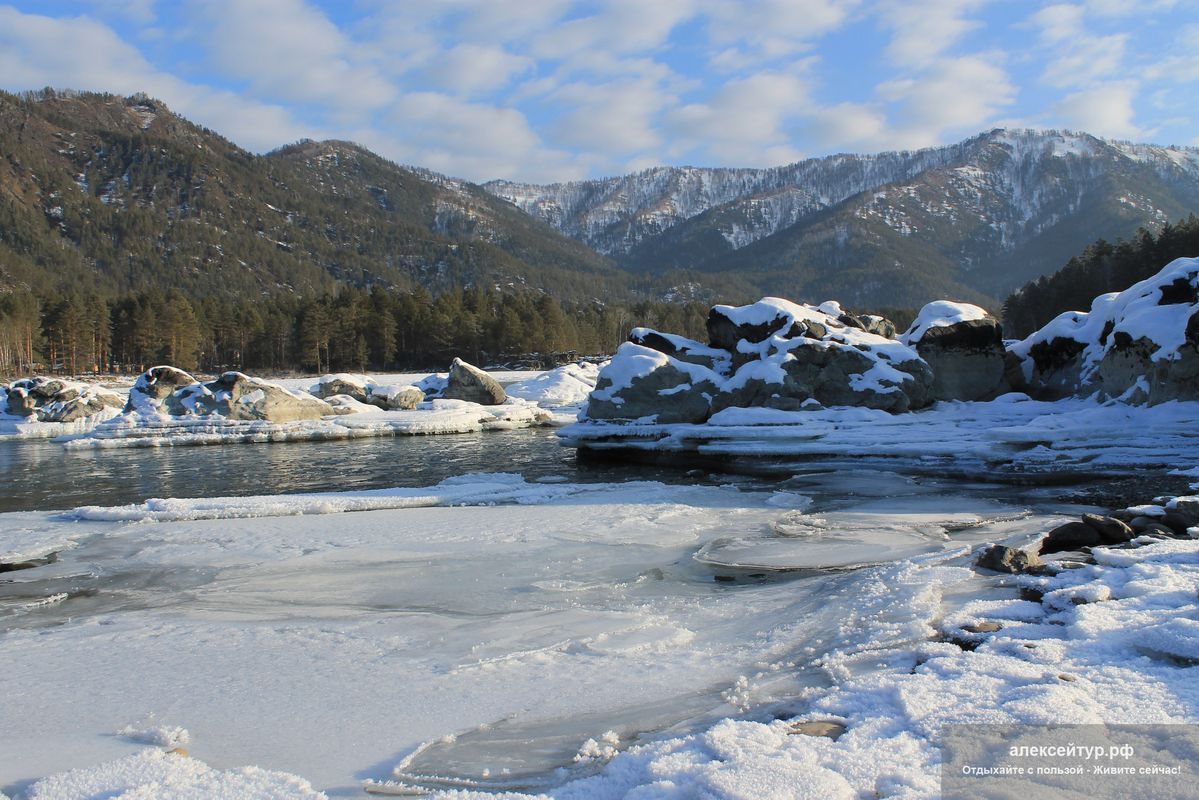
[963, 346]
[1140, 345]
[60, 401]
[366, 391]
[169, 392]
[468, 382]
[773, 354]
[640, 382]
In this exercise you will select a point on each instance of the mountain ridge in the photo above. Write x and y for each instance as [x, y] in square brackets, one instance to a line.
[975, 219]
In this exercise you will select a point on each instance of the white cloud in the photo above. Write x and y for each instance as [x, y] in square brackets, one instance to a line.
[1104, 110]
[471, 69]
[80, 53]
[621, 27]
[744, 122]
[1086, 60]
[1059, 22]
[847, 126]
[469, 140]
[612, 119]
[955, 96]
[288, 50]
[924, 29]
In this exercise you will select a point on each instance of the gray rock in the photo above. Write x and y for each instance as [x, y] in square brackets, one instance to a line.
[467, 382]
[829, 729]
[1056, 368]
[967, 359]
[683, 349]
[405, 399]
[827, 373]
[53, 400]
[671, 392]
[1179, 521]
[158, 383]
[879, 326]
[329, 388]
[1002, 558]
[238, 396]
[20, 402]
[1111, 530]
[1068, 537]
[1128, 369]
[724, 334]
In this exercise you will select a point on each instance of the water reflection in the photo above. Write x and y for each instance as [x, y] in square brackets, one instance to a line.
[42, 475]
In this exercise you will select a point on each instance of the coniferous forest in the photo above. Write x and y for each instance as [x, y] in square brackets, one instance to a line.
[350, 330]
[1102, 267]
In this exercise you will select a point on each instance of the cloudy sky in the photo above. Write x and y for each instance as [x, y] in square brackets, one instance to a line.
[545, 90]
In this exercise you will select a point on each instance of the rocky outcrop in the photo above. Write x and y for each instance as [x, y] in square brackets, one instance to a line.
[172, 392]
[364, 390]
[1140, 345]
[54, 400]
[467, 382]
[879, 326]
[641, 383]
[771, 354]
[963, 346]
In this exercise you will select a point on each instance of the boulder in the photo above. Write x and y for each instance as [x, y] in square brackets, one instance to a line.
[467, 382]
[156, 385]
[1002, 558]
[1111, 530]
[728, 325]
[683, 349]
[238, 396]
[55, 400]
[1071, 536]
[963, 345]
[352, 385]
[396, 398]
[879, 326]
[642, 382]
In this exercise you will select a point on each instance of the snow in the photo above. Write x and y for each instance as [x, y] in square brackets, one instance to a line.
[148, 427]
[1108, 654]
[562, 387]
[151, 774]
[940, 314]
[1012, 435]
[550, 611]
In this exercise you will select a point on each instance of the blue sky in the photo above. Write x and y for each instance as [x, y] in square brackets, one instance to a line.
[545, 90]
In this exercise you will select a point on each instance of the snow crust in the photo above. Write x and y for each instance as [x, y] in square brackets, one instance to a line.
[1105, 647]
[152, 773]
[940, 314]
[155, 429]
[564, 387]
[1012, 434]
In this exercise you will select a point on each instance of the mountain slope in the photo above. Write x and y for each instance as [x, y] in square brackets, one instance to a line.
[119, 193]
[971, 220]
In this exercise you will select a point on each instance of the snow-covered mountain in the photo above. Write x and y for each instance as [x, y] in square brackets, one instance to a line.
[975, 219]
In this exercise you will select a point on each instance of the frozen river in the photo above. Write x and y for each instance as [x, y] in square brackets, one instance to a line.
[485, 644]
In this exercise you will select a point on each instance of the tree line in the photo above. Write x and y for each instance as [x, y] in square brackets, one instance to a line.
[1101, 268]
[351, 329]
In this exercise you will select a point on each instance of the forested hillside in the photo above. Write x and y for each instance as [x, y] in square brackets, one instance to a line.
[1102, 267]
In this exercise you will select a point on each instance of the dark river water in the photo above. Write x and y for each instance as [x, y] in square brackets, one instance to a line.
[42, 475]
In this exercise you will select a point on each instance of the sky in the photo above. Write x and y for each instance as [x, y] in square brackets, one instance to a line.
[555, 90]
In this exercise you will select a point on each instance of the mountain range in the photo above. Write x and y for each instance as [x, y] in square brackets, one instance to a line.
[973, 220]
[107, 193]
